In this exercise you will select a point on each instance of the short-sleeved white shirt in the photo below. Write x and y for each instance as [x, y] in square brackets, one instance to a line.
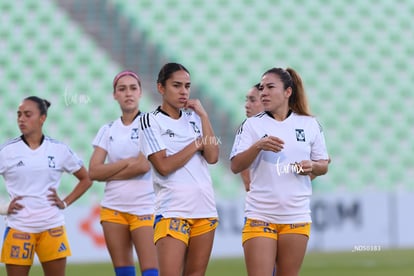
[31, 173]
[277, 193]
[135, 195]
[188, 191]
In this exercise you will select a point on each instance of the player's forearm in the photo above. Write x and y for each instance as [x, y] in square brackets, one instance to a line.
[319, 167]
[245, 175]
[83, 185]
[137, 166]
[103, 172]
[210, 142]
[166, 165]
[243, 160]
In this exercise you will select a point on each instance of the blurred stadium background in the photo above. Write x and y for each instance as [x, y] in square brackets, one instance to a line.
[354, 56]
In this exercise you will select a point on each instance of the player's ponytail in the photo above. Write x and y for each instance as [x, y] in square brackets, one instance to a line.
[298, 101]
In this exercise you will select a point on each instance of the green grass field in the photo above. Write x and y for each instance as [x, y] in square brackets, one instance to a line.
[382, 263]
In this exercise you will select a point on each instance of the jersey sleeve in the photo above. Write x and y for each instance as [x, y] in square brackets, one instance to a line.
[318, 147]
[151, 134]
[102, 138]
[243, 139]
[2, 162]
[71, 161]
[4, 152]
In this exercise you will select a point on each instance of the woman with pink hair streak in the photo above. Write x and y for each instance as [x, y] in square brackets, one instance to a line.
[128, 204]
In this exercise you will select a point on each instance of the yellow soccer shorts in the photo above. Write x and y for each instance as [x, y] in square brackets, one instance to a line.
[133, 221]
[19, 247]
[182, 229]
[256, 228]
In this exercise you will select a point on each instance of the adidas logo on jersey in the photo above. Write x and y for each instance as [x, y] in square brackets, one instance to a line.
[62, 247]
[20, 164]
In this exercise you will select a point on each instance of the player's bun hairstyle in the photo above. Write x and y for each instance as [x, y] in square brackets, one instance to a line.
[167, 70]
[123, 74]
[42, 104]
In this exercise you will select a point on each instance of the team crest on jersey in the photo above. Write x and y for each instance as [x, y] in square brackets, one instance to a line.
[195, 127]
[52, 163]
[174, 224]
[170, 133]
[134, 133]
[300, 135]
[15, 252]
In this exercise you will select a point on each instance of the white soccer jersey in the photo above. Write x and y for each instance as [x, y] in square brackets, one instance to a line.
[277, 193]
[31, 173]
[135, 195]
[187, 192]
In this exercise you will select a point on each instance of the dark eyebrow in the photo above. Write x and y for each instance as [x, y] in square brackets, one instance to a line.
[124, 85]
[24, 111]
[179, 82]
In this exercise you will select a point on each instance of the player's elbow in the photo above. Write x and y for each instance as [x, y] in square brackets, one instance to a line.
[163, 171]
[235, 167]
[211, 159]
[162, 168]
[87, 183]
[324, 170]
[94, 175]
[144, 168]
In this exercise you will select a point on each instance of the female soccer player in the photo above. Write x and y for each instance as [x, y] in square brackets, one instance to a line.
[284, 146]
[32, 166]
[180, 143]
[128, 203]
[252, 106]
